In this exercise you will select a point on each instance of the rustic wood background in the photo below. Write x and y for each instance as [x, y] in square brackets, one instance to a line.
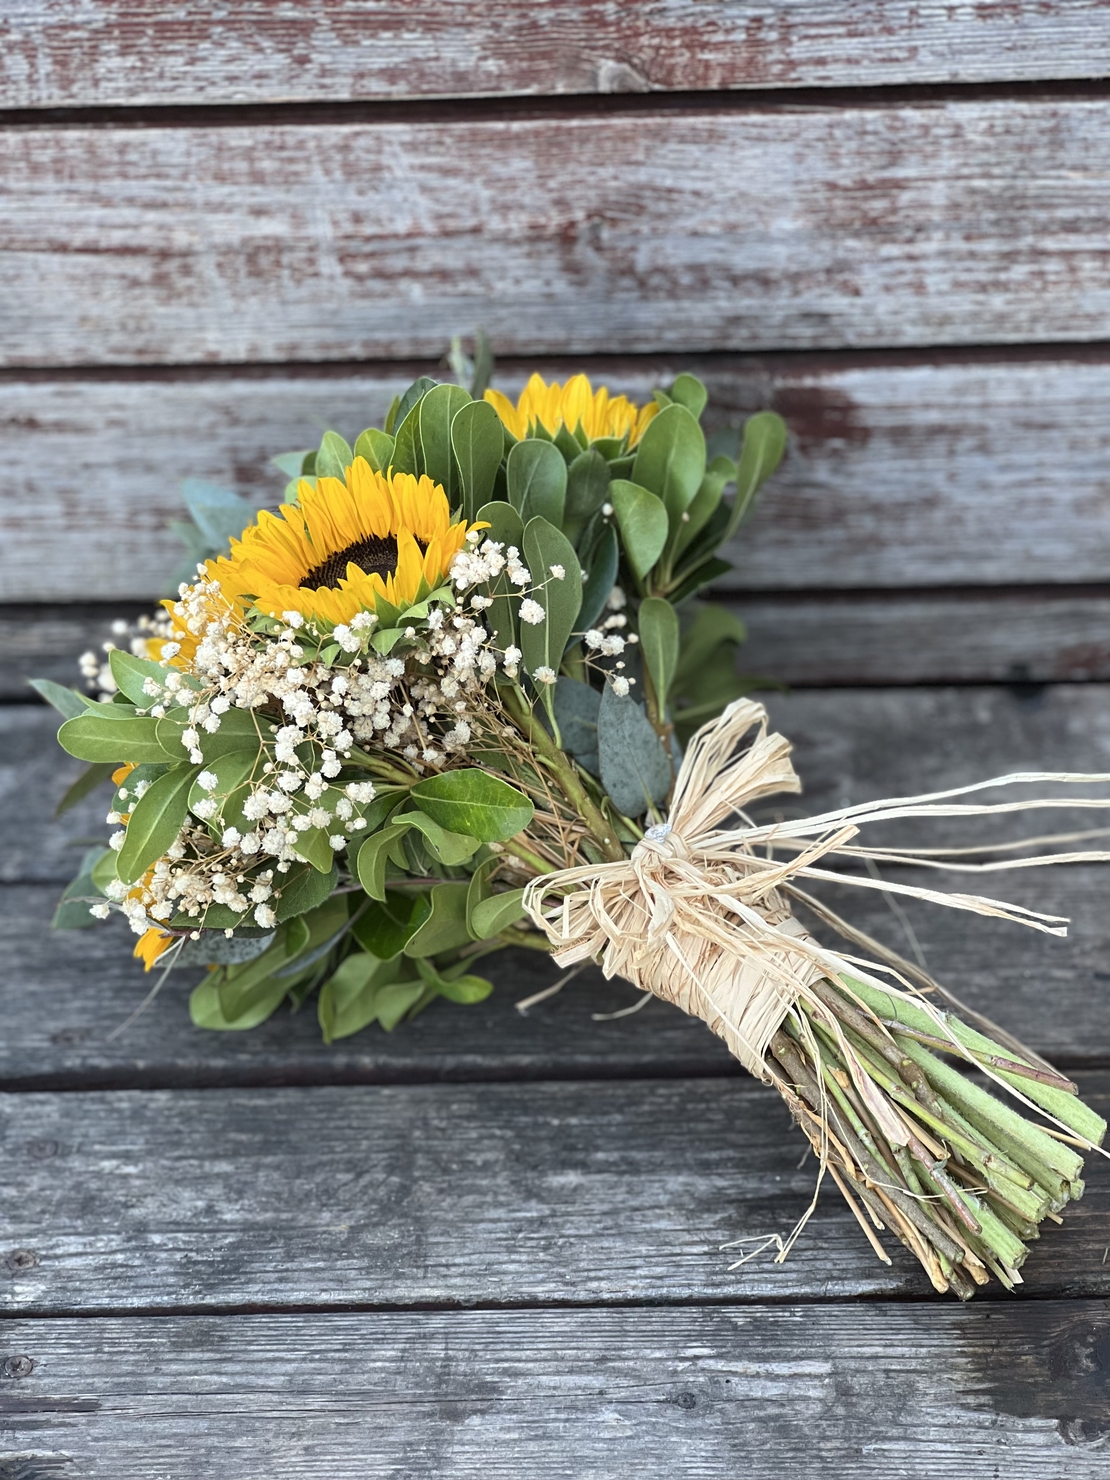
[489, 1243]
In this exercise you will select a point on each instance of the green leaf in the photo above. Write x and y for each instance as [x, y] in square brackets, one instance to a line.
[314, 848]
[601, 579]
[334, 457]
[464, 989]
[376, 447]
[90, 778]
[72, 913]
[635, 768]
[437, 411]
[218, 513]
[507, 527]
[450, 848]
[240, 729]
[474, 803]
[409, 400]
[698, 578]
[384, 926]
[350, 999]
[497, 913]
[761, 453]
[721, 471]
[445, 928]
[561, 599]
[688, 391]
[406, 443]
[233, 773]
[642, 520]
[659, 641]
[373, 856]
[394, 1001]
[205, 1011]
[292, 463]
[302, 889]
[670, 460]
[712, 625]
[576, 708]
[155, 822]
[587, 487]
[68, 702]
[103, 870]
[536, 476]
[131, 673]
[478, 443]
[96, 737]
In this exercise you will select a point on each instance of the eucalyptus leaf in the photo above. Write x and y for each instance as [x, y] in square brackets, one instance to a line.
[547, 550]
[471, 802]
[576, 711]
[635, 768]
[478, 443]
[657, 623]
[214, 948]
[599, 584]
[376, 447]
[536, 475]
[334, 457]
[72, 912]
[155, 822]
[642, 520]
[670, 460]
[219, 513]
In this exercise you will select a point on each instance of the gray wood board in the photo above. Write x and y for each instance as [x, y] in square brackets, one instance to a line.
[867, 1391]
[394, 1195]
[819, 639]
[901, 471]
[126, 54]
[891, 224]
[64, 993]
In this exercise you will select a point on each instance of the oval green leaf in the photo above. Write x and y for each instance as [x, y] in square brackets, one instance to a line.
[472, 802]
[155, 822]
[642, 520]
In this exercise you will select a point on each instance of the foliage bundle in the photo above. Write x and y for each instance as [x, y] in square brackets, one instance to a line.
[381, 733]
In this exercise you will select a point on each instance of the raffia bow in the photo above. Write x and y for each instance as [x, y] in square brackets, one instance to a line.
[700, 916]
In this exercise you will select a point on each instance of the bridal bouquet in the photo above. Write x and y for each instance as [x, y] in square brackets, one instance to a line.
[460, 693]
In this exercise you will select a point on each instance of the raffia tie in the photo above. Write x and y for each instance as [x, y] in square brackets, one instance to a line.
[699, 915]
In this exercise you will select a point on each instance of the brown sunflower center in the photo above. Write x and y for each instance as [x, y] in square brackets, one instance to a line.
[375, 555]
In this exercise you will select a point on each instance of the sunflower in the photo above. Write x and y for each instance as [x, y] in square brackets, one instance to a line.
[573, 405]
[150, 946]
[344, 547]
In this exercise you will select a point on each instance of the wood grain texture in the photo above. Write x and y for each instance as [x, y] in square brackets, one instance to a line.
[899, 473]
[102, 54]
[869, 1391]
[511, 1194]
[900, 224]
[62, 994]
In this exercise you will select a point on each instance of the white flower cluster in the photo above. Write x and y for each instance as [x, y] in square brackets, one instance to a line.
[421, 706]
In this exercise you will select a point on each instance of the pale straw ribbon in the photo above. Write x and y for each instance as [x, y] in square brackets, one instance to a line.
[698, 915]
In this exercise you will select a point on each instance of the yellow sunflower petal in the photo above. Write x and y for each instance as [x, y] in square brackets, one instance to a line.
[573, 405]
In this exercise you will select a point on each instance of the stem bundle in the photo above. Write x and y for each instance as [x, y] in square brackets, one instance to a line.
[917, 1148]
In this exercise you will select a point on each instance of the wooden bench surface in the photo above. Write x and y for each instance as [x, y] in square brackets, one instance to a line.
[491, 1243]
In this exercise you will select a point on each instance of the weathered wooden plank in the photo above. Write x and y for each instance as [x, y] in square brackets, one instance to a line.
[850, 746]
[902, 224]
[579, 1193]
[867, 1391]
[822, 639]
[127, 55]
[901, 472]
